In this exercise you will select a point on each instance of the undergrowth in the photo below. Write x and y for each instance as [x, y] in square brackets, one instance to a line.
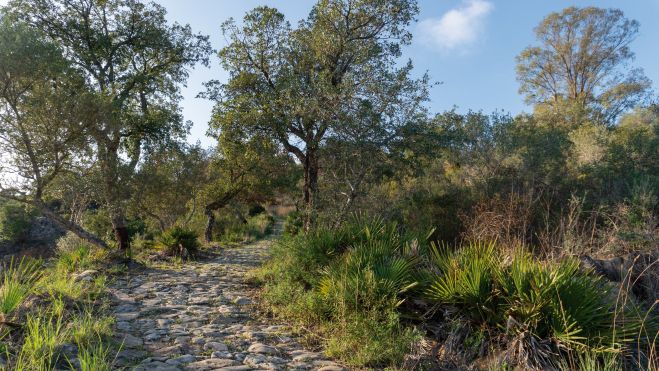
[53, 316]
[346, 285]
[344, 289]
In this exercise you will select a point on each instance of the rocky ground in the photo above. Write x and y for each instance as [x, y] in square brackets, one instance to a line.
[201, 317]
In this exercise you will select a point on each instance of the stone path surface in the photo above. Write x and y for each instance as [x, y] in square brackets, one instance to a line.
[200, 317]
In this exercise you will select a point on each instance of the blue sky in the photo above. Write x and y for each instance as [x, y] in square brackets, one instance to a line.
[468, 45]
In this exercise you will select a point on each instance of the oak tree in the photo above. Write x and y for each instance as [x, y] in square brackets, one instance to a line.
[302, 85]
[45, 109]
[134, 61]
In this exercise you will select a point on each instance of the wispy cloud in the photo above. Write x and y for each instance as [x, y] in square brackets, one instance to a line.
[458, 28]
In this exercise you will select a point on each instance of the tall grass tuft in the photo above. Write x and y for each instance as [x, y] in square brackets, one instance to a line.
[43, 337]
[96, 357]
[88, 327]
[18, 279]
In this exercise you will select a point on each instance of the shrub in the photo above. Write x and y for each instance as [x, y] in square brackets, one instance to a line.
[15, 221]
[465, 278]
[142, 242]
[348, 283]
[293, 223]
[98, 222]
[545, 308]
[368, 275]
[301, 258]
[255, 210]
[179, 241]
[74, 254]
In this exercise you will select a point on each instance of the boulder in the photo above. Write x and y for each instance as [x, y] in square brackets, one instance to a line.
[636, 272]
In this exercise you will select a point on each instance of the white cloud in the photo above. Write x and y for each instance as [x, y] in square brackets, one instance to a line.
[458, 28]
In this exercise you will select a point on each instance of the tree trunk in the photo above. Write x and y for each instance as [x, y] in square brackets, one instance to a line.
[210, 224]
[121, 233]
[310, 188]
[72, 227]
[217, 205]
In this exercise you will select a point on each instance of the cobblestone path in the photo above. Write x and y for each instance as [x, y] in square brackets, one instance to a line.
[200, 317]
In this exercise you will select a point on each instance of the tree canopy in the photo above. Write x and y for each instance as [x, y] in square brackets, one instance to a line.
[133, 61]
[334, 75]
[583, 64]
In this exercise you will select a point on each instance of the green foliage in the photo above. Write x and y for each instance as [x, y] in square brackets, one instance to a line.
[167, 181]
[233, 230]
[311, 98]
[370, 273]
[179, 241]
[70, 262]
[561, 74]
[592, 361]
[18, 280]
[293, 223]
[73, 254]
[98, 222]
[349, 282]
[465, 278]
[520, 296]
[96, 357]
[141, 242]
[374, 337]
[65, 310]
[42, 338]
[87, 328]
[15, 221]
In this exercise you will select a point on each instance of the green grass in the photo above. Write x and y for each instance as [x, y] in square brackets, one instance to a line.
[12, 295]
[87, 327]
[257, 227]
[42, 338]
[18, 280]
[64, 311]
[373, 337]
[97, 357]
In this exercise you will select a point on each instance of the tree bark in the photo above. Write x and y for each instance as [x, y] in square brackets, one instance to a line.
[121, 233]
[310, 188]
[72, 227]
[210, 224]
[214, 206]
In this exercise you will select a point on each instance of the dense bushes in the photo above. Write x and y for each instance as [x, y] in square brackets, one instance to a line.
[348, 285]
[579, 189]
[556, 305]
[15, 221]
